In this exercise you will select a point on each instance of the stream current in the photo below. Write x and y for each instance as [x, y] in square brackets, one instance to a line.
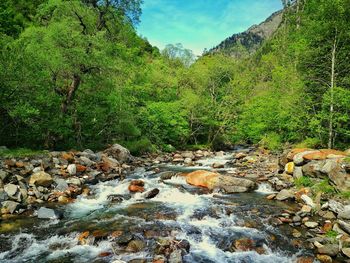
[210, 222]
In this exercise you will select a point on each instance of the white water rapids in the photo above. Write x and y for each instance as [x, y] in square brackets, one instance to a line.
[201, 218]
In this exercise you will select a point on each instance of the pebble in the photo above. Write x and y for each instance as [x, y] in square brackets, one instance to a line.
[311, 224]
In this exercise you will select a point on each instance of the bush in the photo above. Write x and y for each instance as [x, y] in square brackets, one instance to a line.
[271, 141]
[309, 143]
[140, 146]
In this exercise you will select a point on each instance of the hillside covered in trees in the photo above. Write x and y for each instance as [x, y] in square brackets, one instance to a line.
[75, 74]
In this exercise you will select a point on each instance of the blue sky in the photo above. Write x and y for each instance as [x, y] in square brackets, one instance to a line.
[199, 24]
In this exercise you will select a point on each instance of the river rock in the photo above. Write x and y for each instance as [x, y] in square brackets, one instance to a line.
[74, 181]
[329, 249]
[189, 155]
[314, 169]
[120, 153]
[115, 198]
[308, 201]
[41, 179]
[86, 161]
[61, 185]
[334, 206]
[298, 172]
[167, 175]
[289, 168]
[175, 257]
[47, 213]
[298, 158]
[284, 195]
[344, 226]
[11, 189]
[10, 206]
[136, 245]
[213, 181]
[344, 213]
[324, 258]
[72, 169]
[152, 193]
[311, 224]
[3, 175]
[346, 251]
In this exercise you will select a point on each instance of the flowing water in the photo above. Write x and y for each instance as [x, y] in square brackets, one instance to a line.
[210, 222]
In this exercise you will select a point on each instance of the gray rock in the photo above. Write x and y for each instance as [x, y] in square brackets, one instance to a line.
[344, 226]
[314, 169]
[74, 180]
[3, 175]
[234, 185]
[86, 161]
[166, 175]
[61, 185]
[311, 224]
[346, 252]
[72, 169]
[175, 257]
[3, 196]
[119, 153]
[344, 213]
[47, 213]
[151, 194]
[308, 201]
[329, 249]
[298, 159]
[335, 206]
[298, 172]
[37, 170]
[284, 195]
[10, 205]
[11, 189]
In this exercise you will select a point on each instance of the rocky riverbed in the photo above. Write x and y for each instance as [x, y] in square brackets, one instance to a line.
[202, 206]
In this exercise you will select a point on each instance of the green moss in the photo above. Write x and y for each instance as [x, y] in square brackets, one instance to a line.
[20, 153]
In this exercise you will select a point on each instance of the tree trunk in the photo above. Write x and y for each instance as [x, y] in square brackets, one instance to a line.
[70, 94]
[331, 107]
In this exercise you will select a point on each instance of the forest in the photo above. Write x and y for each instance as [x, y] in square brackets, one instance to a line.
[75, 74]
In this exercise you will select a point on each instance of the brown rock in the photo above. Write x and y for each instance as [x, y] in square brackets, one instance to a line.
[41, 179]
[68, 156]
[136, 189]
[104, 254]
[305, 260]
[294, 152]
[244, 244]
[202, 178]
[324, 258]
[137, 182]
[81, 168]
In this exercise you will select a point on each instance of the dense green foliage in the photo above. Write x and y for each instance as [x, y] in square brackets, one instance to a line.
[76, 74]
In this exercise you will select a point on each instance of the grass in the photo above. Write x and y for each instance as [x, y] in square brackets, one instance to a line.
[20, 153]
[303, 181]
[345, 195]
[324, 187]
[332, 234]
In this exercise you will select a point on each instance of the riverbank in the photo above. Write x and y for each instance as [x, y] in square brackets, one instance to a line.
[113, 206]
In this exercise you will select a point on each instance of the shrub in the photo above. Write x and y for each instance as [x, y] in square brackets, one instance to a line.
[271, 141]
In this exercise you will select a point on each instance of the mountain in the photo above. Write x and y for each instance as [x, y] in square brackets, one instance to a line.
[248, 42]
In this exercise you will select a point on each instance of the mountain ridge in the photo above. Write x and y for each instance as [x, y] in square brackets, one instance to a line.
[247, 42]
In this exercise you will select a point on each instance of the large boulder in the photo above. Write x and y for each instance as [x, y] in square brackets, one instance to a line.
[41, 179]
[212, 181]
[119, 153]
